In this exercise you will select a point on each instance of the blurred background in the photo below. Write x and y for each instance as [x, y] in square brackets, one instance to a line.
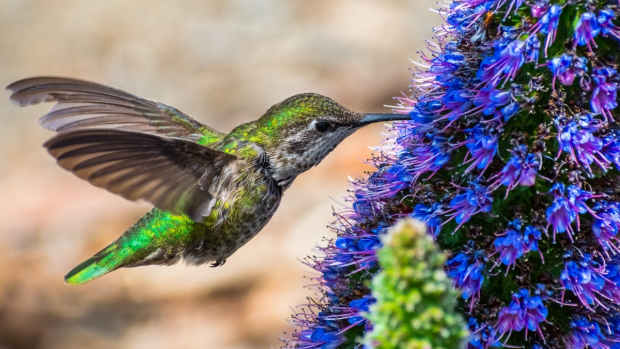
[223, 62]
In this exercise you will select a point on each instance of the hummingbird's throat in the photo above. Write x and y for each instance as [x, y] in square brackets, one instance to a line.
[298, 154]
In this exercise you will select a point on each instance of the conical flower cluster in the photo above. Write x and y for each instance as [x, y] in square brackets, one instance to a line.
[415, 300]
[512, 159]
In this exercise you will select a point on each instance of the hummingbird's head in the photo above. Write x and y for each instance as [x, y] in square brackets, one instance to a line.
[301, 130]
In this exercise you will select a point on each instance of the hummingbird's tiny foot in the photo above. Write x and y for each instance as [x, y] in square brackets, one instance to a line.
[218, 262]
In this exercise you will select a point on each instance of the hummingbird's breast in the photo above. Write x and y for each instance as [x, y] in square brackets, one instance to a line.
[245, 198]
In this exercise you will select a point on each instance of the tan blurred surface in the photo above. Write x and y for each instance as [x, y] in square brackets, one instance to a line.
[224, 62]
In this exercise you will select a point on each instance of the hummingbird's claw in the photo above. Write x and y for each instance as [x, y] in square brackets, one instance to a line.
[218, 263]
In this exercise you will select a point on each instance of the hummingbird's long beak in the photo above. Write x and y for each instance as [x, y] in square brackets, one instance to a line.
[370, 118]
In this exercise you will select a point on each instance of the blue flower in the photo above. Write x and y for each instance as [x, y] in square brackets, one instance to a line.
[429, 215]
[358, 307]
[587, 333]
[496, 103]
[424, 114]
[566, 67]
[482, 335]
[611, 147]
[389, 181]
[605, 21]
[426, 156]
[362, 207]
[566, 207]
[457, 102]
[506, 63]
[482, 146]
[589, 281]
[521, 169]
[513, 244]
[512, 5]
[319, 338]
[523, 312]
[531, 235]
[532, 48]
[489, 100]
[604, 95]
[586, 29]
[467, 273]
[548, 25]
[473, 200]
[576, 138]
[606, 225]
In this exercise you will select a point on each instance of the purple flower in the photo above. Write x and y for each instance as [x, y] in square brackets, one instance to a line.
[577, 198]
[548, 25]
[319, 338]
[482, 336]
[565, 208]
[605, 21]
[586, 29]
[429, 215]
[586, 334]
[506, 63]
[424, 113]
[482, 146]
[531, 235]
[611, 147]
[604, 94]
[566, 67]
[510, 247]
[423, 157]
[457, 103]
[512, 4]
[588, 280]
[356, 308]
[576, 138]
[532, 48]
[489, 100]
[467, 273]
[388, 181]
[473, 200]
[494, 102]
[606, 225]
[523, 312]
[560, 216]
[539, 8]
[521, 169]
[513, 244]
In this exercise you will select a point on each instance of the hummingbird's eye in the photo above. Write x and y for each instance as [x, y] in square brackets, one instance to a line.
[324, 126]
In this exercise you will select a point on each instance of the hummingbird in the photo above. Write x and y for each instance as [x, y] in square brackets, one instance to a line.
[211, 191]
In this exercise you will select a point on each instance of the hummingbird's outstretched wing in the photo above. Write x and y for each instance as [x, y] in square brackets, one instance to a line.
[172, 173]
[83, 104]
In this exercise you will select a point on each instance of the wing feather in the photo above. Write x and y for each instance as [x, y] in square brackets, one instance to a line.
[82, 104]
[172, 173]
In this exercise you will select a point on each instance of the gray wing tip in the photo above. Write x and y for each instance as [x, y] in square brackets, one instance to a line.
[18, 87]
[14, 88]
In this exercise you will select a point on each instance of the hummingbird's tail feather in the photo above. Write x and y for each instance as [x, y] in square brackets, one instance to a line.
[105, 261]
[157, 238]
